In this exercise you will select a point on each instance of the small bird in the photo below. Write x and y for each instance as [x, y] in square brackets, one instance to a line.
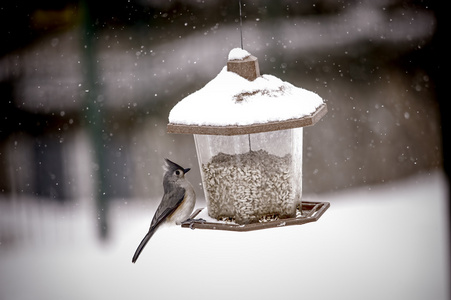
[177, 203]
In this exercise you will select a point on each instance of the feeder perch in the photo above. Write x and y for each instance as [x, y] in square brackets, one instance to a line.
[248, 132]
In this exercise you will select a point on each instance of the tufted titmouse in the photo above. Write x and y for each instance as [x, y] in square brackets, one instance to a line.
[177, 203]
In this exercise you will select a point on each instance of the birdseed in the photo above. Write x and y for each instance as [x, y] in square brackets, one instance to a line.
[251, 187]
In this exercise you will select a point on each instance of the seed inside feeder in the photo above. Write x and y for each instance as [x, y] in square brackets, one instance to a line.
[249, 187]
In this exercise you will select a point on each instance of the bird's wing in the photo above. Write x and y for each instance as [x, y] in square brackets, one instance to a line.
[168, 205]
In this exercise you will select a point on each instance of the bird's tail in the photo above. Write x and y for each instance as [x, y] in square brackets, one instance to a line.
[143, 244]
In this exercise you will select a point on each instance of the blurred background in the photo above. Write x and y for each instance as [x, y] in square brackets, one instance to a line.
[86, 88]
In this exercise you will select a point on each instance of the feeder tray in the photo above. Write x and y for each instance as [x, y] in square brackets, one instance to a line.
[310, 212]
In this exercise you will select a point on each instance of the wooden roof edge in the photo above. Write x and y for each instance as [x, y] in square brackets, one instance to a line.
[249, 129]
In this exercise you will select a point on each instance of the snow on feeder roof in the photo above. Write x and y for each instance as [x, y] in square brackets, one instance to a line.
[240, 101]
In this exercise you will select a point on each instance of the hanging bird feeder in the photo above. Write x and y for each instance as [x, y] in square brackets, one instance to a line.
[248, 132]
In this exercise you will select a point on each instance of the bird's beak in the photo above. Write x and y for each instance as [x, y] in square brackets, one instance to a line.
[186, 170]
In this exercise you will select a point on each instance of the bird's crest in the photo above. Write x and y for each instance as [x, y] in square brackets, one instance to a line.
[171, 166]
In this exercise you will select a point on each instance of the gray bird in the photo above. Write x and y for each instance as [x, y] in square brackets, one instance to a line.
[177, 203]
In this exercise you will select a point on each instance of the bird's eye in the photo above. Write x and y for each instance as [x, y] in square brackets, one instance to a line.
[177, 172]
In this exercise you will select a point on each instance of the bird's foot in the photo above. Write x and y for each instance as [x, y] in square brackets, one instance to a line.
[192, 221]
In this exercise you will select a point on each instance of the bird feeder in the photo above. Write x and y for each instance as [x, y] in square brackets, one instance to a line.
[248, 132]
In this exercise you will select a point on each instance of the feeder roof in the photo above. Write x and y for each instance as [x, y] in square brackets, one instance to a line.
[230, 104]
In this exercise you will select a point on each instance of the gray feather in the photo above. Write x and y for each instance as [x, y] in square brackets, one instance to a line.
[172, 198]
[171, 166]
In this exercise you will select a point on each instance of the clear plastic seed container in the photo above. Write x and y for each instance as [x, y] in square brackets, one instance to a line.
[251, 177]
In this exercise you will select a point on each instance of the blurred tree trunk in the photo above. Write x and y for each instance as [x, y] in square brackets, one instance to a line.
[94, 116]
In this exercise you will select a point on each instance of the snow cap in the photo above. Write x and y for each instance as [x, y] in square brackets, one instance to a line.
[238, 54]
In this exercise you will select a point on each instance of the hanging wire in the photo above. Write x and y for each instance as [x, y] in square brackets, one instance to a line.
[241, 35]
[241, 25]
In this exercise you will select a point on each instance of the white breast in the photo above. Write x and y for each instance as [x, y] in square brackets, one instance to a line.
[186, 207]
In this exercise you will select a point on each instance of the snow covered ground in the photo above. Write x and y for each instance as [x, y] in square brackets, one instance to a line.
[380, 242]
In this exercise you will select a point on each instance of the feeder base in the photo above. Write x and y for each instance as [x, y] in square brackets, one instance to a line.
[310, 212]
